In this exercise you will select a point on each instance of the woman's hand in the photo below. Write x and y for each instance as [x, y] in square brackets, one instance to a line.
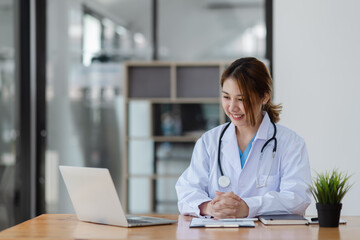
[228, 205]
[206, 208]
[225, 205]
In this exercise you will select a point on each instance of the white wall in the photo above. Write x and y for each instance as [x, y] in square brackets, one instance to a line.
[316, 77]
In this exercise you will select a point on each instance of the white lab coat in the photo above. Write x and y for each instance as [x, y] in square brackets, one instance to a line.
[287, 188]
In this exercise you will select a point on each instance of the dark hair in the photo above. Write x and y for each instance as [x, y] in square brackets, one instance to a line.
[254, 82]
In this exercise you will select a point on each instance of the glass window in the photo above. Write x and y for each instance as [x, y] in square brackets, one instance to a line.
[92, 38]
[8, 110]
[84, 101]
[211, 29]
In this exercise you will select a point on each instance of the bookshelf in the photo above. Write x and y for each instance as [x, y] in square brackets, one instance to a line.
[168, 106]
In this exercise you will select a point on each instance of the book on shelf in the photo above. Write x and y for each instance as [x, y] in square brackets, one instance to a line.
[283, 219]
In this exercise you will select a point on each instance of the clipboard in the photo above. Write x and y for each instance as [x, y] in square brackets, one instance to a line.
[222, 223]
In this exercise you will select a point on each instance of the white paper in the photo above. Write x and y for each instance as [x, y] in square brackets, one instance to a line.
[238, 222]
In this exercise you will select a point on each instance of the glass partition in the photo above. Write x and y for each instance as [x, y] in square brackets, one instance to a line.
[87, 43]
[211, 29]
[84, 101]
[8, 110]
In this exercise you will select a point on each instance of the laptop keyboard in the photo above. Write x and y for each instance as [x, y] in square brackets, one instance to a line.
[130, 221]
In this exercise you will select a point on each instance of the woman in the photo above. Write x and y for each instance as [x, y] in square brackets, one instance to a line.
[260, 167]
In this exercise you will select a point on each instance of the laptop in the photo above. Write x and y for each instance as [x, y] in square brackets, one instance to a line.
[95, 199]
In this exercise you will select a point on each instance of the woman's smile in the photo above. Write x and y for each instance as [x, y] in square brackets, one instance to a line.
[237, 117]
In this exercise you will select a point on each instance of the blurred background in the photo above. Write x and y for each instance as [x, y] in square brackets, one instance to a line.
[62, 81]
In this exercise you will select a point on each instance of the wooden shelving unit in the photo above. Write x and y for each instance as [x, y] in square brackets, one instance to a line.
[168, 106]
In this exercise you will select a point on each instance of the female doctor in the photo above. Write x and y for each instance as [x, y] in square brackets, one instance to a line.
[250, 166]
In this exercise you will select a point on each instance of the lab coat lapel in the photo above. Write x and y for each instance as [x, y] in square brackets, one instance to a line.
[264, 128]
[230, 150]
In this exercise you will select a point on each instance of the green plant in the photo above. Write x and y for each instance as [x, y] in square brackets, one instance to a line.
[330, 187]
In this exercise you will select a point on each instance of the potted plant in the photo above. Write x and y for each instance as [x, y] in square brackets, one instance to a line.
[328, 189]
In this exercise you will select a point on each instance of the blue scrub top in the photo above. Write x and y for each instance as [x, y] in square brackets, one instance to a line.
[243, 156]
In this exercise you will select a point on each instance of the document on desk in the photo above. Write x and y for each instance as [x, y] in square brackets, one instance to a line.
[226, 223]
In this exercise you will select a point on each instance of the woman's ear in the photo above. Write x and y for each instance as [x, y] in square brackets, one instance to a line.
[266, 99]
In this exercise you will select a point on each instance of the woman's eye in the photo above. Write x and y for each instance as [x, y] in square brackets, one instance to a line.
[240, 99]
[226, 97]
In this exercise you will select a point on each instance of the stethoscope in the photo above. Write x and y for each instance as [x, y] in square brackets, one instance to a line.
[224, 181]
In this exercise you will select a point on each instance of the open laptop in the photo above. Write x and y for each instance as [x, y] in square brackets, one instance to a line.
[95, 199]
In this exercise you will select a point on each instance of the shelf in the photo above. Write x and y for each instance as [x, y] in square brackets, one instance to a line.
[166, 202]
[174, 64]
[177, 138]
[154, 176]
[166, 138]
[177, 100]
[173, 159]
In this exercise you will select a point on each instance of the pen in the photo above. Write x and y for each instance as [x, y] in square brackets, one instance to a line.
[314, 219]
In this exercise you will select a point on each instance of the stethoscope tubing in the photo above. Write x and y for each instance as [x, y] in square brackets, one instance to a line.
[219, 148]
[273, 138]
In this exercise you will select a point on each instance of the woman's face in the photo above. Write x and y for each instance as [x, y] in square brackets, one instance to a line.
[232, 103]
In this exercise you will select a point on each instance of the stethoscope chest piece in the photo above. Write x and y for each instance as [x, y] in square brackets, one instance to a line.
[224, 181]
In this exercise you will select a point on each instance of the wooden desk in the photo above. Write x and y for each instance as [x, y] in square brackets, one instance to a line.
[65, 226]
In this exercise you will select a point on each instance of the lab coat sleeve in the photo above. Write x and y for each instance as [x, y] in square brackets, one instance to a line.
[294, 194]
[192, 186]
